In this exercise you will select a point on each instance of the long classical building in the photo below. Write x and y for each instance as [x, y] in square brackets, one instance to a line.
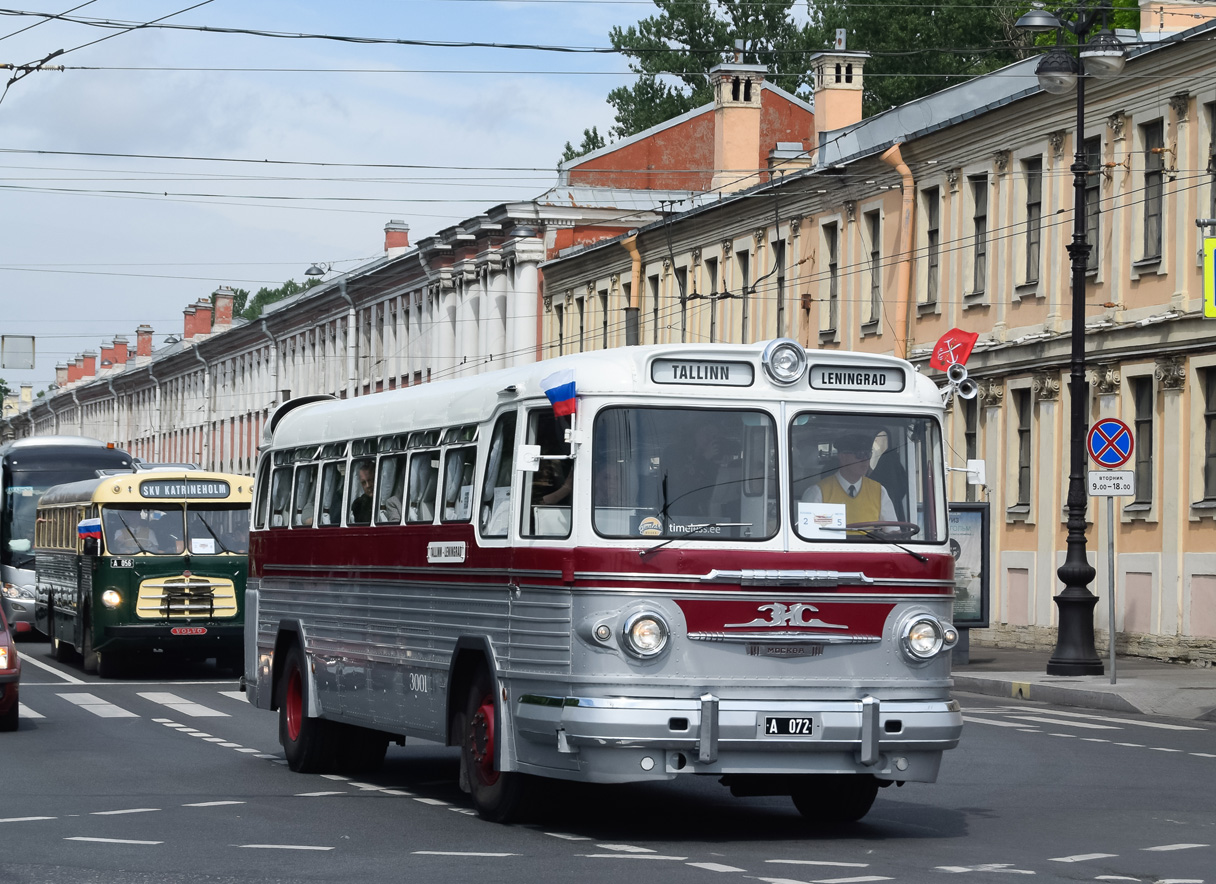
[955, 211]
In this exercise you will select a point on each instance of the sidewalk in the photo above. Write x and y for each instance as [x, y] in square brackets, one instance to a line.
[1147, 686]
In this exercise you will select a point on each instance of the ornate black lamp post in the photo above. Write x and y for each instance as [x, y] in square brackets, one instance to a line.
[1058, 72]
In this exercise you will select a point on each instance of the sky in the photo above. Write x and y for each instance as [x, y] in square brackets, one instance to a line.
[115, 210]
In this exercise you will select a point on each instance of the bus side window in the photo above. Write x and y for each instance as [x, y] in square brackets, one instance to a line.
[549, 491]
[496, 485]
[389, 490]
[424, 479]
[280, 497]
[263, 494]
[362, 481]
[331, 492]
[458, 472]
[304, 502]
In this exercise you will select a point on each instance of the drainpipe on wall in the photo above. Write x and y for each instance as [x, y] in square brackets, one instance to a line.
[635, 289]
[114, 437]
[205, 458]
[79, 415]
[903, 276]
[351, 338]
[155, 418]
[274, 363]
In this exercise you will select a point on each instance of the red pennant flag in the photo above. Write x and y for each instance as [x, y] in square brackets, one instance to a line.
[953, 347]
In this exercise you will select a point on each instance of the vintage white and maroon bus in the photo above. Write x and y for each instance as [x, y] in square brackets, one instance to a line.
[727, 561]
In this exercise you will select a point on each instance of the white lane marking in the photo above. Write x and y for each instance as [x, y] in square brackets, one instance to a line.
[331, 776]
[112, 840]
[236, 695]
[120, 812]
[387, 791]
[212, 803]
[1163, 749]
[1203, 755]
[1037, 719]
[987, 867]
[780, 881]
[716, 867]
[1059, 713]
[27, 819]
[318, 794]
[216, 740]
[250, 751]
[268, 755]
[458, 853]
[367, 787]
[818, 862]
[183, 706]
[1176, 847]
[632, 856]
[1080, 857]
[467, 811]
[566, 837]
[51, 669]
[199, 734]
[1066, 736]
[24, 711]
[860, 880]
[433, 801]
[625, 848]
[1115, 878]
[283, 847]
[97, 706]
[231, 745]
[1131, 745]
[993, 722]
[1094, 740]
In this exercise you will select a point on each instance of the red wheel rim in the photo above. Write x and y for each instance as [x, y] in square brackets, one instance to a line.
[294, 705]
[481, 738]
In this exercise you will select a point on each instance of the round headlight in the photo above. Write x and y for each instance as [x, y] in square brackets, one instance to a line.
[111, 599]
[645, 634]
[784, 361]
[924, 638]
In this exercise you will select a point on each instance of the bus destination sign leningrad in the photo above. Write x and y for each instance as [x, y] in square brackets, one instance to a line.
[702, 371]
[870, 379]
[162, 489]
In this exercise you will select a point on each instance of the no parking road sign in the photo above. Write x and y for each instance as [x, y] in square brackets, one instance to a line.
[1110, 443]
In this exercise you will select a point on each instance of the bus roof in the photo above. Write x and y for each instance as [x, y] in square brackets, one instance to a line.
[601, 372]
[170, 486]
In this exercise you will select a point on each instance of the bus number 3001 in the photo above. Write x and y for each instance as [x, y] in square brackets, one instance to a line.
[788, 727]
[420, 683]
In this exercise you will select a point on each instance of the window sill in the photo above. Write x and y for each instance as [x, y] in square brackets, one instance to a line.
[1029, 290]
[974, 299]
[1019, 512]
[1147, 267]
[928, 308]
[1140, 511]
[827, 336]
[1203, 509]
[869, 329]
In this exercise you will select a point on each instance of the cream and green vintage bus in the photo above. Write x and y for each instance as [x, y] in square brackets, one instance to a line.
[137, 563]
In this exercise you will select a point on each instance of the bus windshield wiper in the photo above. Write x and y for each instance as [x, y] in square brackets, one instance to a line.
[694, 529]
[211, 531]
[874, 535]
[130, 533]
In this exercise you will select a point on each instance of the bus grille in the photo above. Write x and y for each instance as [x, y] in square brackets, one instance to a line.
[177, 598]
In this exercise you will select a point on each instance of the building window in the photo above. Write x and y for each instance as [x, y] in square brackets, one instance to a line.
[1033, 170]
[711, 285]
[831, 242]
[779, 266]
[933, 242]
[654, 310]
[971, 439]
[1209, 431]
[743, 262]
[1093, 199]
[873, 224]
[1142, 404]
[979, 241]
[559, 314]
[604, 318]
[581, 306]
[1154, 186]
[1021, 402]
[682, 293]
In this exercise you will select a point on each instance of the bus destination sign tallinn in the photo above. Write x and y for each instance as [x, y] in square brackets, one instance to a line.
[161, 489]
[869, 379]
[702, 371]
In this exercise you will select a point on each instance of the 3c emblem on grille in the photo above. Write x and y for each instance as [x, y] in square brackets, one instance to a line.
[789, 615]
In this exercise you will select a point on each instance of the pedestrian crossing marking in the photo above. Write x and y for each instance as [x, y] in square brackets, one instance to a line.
[98, 706]
[183, 706]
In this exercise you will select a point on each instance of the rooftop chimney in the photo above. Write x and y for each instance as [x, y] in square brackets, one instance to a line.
[89, 361]
[143, 342]
[202, 317]
[837, 95]
[222, 298]
[121, 352]
[61, 375]
[75, 369]
[188, 322]
[396, 238]
[737, 89]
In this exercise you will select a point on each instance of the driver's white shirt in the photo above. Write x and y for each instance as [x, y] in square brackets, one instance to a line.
[886, 510]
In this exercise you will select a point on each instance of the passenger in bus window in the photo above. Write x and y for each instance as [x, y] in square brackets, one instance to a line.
[864, 499]
[361, 504]
[331, 492]
[553, 483]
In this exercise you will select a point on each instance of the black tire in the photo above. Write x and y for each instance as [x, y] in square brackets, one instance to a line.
[308, 743]
[8, 721]
[88, 657]
[836, 799]
[359, 750]
[499, 797]
[112, 664]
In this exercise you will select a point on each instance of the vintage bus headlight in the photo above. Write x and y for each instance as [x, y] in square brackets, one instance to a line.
[784, 361]
[111, 599]
[923, 637]
[645, 634]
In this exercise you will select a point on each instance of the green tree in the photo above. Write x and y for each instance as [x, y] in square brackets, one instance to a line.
[688, 37]
[592, 140]
[251, 308]
[5, 389]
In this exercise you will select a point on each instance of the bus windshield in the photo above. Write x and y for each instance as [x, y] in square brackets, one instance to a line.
[695, 474]
[210, 529]
[23, 489]
[866, 478]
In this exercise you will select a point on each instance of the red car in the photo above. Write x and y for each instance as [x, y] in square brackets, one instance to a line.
[10, 675]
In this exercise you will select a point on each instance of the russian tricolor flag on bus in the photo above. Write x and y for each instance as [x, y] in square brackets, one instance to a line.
[89, 529]
[559, 387]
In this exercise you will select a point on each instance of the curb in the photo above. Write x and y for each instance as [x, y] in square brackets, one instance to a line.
[1061, 696]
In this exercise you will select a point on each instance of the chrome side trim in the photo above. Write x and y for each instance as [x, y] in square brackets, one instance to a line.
[757, 577]
[785, 637]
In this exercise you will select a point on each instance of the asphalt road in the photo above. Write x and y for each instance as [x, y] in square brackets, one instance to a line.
[177, 780]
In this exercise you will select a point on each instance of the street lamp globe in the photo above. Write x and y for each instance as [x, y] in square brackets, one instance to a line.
[1103, 56]
[1037, 20]
[1057, 72]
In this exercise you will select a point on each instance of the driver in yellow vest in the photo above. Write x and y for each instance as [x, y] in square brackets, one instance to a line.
[864, 499]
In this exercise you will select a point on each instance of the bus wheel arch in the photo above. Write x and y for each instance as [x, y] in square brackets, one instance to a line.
[88, 656]
[308, 742]
[289, 634]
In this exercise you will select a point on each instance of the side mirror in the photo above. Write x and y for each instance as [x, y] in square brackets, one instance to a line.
[528, 459]
[976, 473]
